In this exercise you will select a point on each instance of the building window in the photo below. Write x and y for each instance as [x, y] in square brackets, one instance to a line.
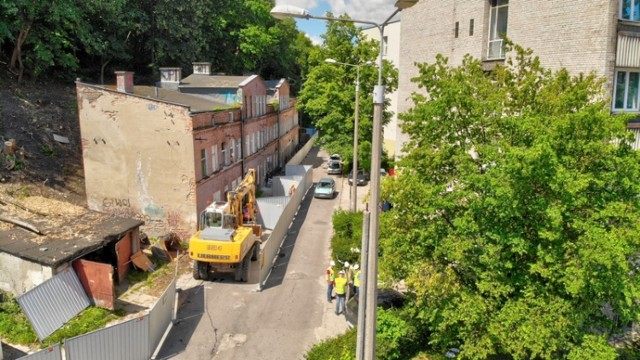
[626, 91]
[630, 10]
[471, 27]
[214, 157]
[247, 149]
[224, 154]
[232, 150]
[456, 29]
[498, 16]
[238, 149]
[203, 163]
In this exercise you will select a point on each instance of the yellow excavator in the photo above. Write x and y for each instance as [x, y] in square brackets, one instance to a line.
[229, 237]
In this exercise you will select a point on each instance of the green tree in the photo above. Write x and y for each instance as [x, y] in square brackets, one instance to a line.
[328, 96]
[516, 212]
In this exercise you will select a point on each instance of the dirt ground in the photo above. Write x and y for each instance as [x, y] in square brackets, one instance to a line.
[47, 160]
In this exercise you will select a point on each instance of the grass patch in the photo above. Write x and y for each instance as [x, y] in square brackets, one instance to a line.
[16, 329]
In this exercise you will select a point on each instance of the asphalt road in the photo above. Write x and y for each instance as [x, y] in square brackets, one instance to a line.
[227, 320]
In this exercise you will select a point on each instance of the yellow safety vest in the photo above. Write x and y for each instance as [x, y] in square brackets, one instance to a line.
[341, 285]
[356, 279]
[331, 276]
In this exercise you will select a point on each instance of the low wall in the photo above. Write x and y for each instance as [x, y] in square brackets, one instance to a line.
[300, 155]
[17, 276]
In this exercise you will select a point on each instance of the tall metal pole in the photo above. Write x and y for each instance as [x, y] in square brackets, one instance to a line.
[354, 186]
[376, 151]
[362, 299]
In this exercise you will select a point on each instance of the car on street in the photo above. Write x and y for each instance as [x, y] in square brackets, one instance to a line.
[387, 299]
[362, 177]
[325, 188]
[334, 167]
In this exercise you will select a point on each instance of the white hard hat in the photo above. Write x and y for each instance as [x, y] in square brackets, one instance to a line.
[346, 264]
[332, 263]
[356, 267]
[341, 272]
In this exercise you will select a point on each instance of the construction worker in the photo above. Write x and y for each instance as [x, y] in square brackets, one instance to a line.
[356, 279]
[341, 292]
[330, 278]
[347, 271]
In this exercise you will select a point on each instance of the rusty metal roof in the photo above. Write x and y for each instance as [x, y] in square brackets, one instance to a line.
[70, 231]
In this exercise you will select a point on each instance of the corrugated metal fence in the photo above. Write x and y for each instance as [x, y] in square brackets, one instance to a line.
[54, 302]
[135, 339]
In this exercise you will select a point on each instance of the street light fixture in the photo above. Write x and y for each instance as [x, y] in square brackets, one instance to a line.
[371, 273]
[354, 172]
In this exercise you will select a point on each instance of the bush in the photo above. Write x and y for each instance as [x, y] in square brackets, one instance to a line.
[347, 227]
[338, 348]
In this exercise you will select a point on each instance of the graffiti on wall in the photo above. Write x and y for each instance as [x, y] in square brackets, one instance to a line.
[114, 202]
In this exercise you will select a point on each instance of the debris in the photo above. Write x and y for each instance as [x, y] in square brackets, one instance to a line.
[4, 202]
[141, 261]
[61, 139]
[21, 224]
[10, 146]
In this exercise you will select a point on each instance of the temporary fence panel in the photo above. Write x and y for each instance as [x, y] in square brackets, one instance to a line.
[161, 316]
[270, 210]
[49, 305]
[50, 353]
[272, 246]
[126, 341]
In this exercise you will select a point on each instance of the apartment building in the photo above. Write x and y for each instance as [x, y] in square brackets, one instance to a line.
[600, 36]
[163, 153]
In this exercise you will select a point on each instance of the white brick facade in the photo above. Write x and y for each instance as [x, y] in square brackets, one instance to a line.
[579, 35]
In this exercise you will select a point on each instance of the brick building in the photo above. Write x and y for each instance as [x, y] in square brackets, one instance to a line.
[602, 36]
[163, 153]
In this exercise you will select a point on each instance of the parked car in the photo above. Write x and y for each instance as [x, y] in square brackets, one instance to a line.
[334, 168]
[335, 157]
[362, 177]
[387, 299]
[325, 188]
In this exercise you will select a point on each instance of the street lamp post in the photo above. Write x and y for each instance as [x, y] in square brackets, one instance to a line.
[371, 273]
[354, 173]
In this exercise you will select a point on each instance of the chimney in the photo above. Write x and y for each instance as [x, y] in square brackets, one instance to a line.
[124, 81]
[170, 77]
[202, 68]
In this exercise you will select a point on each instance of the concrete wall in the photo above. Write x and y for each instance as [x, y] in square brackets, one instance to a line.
[138, 159]
[578, 35]
[17, 276]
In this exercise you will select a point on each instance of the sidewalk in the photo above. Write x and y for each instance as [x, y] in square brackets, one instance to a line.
[333, 325]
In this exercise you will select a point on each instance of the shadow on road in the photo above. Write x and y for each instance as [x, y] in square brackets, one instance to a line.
[313, 158]
[187, 319]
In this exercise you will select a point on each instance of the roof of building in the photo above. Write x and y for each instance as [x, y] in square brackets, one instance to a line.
[213, 81]
[69, 231]
[196, 103]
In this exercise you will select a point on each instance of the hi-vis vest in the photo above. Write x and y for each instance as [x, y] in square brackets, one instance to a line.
[341, 284]
[356, 279]
[331, 276]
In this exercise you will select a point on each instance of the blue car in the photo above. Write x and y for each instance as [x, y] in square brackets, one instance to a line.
[325, 188]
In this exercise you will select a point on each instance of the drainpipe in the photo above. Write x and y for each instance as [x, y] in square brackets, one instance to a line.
[242, 142]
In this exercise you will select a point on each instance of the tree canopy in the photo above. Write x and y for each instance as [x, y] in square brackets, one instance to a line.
[329, 92]
[516, 212]
[72, 37]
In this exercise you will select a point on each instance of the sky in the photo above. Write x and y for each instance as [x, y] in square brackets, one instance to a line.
[370, 10]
